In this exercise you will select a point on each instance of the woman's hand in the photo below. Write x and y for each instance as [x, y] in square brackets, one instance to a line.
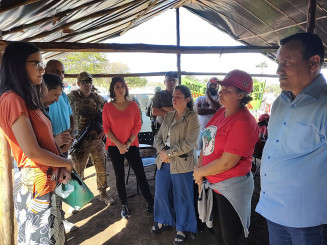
[197, 176]
[122, 148]
[164, 156]
[69, 165]
[64, 176]
[127, 145]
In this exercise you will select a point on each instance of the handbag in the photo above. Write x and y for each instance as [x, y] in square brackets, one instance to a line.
[79, 196]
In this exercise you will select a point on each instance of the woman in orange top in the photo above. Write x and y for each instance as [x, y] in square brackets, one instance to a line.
[29, 133]
[122, 123]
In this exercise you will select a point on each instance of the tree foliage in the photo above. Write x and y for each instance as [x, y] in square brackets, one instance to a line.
[136, 82]
[97, 63]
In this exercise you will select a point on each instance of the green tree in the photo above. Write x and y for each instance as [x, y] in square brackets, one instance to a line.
[118, 68]
[136, 82]
[91, 62]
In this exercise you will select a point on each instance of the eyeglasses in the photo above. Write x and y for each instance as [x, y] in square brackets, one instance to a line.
[37, 64]
[87, 81]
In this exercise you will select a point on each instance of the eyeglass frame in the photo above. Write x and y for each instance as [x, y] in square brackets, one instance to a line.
[38, 64]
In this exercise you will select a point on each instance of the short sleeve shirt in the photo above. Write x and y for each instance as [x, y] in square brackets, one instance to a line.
[122, 124]
[162, 99]
[12, 106]
[59, 113]
[236, 134]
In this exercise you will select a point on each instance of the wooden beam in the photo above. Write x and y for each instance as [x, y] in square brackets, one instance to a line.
[16, 5]
[311, 19]
[146, 48]
[6, 194]
[157, 74]
[53, 18]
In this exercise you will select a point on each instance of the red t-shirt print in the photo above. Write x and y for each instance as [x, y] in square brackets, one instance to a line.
[236, 134]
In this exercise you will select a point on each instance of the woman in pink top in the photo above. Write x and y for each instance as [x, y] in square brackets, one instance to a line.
[122, 123]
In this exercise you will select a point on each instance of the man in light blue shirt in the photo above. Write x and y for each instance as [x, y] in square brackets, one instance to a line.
[293, 195]
[60, 112]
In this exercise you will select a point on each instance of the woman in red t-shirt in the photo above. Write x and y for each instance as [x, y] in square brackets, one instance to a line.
[29, 133]
[228, 143]
[122, 123]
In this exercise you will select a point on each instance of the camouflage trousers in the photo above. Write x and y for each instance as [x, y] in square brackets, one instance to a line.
[95, 148]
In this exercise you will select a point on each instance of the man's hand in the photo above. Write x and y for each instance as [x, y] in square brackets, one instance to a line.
[64, 139]
[208, 96]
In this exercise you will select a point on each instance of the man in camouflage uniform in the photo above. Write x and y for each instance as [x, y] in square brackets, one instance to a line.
[87, 106]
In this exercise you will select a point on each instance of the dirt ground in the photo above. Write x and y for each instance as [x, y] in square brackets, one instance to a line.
[99, 224]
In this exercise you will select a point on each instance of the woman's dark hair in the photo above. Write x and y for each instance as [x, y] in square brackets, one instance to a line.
[112, 85]
[187, 93]
[246, 99]
[13, 74]
[52, 81]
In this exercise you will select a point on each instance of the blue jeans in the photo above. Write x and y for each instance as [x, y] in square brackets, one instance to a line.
[284, 235]
[174, 200]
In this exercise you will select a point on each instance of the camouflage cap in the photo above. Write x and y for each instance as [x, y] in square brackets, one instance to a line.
[83, 76]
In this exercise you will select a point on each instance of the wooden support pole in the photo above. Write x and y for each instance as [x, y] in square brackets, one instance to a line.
[178, 45]
[311, 19]
[6, 193]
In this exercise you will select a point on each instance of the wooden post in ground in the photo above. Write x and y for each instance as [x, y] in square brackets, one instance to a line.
[6, 193]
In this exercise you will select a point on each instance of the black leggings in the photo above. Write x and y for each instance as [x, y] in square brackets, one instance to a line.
[226, 222]
[134, 159]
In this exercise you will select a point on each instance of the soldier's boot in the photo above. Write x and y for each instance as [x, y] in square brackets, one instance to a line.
[104, 198]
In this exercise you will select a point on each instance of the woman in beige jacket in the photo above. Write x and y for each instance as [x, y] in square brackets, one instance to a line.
[176, 141]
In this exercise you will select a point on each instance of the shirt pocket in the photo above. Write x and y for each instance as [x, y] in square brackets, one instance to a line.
[304, 138]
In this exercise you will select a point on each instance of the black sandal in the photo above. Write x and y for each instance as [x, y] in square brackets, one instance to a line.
[181, 238]
[157, 230]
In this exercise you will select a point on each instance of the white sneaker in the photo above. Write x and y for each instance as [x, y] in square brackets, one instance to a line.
[69, 226]
[72, 210]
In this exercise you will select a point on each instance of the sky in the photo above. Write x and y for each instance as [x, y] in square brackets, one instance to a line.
[194, 31]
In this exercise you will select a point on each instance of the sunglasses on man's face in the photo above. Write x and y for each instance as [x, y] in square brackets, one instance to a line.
[87, 81]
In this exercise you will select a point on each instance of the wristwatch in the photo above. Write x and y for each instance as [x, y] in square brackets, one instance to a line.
[129, 140]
